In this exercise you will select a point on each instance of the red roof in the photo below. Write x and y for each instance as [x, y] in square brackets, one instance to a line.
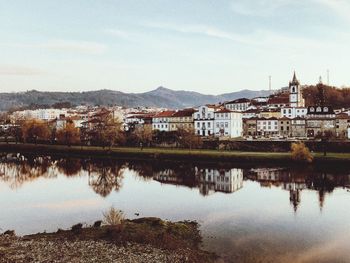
[342, 116]
[278, 100]
[240, 100]
[168, 113]
[184, 113]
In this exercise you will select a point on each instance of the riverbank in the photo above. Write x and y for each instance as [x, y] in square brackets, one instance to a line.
[139, 240]
[172, 154]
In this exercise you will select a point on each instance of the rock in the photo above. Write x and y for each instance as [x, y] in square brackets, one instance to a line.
[98, 223]
[9, 233]
[77, 228]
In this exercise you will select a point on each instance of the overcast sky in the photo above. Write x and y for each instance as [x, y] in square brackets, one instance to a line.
[209, 46]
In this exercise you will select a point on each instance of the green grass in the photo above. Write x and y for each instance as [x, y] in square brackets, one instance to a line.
[169, 153]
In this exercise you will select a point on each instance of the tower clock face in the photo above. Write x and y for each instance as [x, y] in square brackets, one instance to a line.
[293, 97]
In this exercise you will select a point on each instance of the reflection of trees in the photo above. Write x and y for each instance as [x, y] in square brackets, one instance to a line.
[104, 177]
[16, 170]
[69, 166]
[144, 170]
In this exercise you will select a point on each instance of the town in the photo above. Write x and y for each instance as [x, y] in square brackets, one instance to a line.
[281, 116]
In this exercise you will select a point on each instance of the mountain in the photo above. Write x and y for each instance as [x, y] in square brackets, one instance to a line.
[160, 97]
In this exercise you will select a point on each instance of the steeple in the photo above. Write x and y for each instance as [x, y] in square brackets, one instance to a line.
[294, 81]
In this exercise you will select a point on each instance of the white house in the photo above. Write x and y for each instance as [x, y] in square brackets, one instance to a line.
[204, 120]
[221, 180]
[228, 123]
[161, 121]
[293, 112]
[238, 104]
[267, 126]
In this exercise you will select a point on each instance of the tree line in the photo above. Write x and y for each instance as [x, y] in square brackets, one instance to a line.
[106, 132]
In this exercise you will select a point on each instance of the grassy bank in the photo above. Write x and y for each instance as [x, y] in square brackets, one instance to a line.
[171, 154]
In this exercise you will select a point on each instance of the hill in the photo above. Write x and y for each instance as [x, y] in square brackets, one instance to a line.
[160, 97]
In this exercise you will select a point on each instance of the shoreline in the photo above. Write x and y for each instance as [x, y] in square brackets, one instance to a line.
[200, 155]
[146, 239]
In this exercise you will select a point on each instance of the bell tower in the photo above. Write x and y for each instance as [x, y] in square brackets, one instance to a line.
[295, 95]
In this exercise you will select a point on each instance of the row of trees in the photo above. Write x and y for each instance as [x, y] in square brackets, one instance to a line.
[338, 98]
[106, 133]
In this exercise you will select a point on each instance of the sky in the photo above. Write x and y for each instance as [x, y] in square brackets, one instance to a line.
[208, 46]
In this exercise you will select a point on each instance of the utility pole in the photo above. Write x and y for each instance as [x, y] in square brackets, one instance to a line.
[328, 77]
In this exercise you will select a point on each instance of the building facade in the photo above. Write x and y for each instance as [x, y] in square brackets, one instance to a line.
[238, 104]
[204, 120]
[228, 123]
[161, 121]
[182, 119]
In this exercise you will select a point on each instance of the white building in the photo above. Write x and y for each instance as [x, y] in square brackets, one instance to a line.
[219, 180]
[161, 121]
[204, 120]
[228, 123]
[290, 112]
[267, 126]
[238, 104]
[39, 114]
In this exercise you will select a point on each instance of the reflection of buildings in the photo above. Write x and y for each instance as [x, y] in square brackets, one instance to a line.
[206, 179]
[284, 178]
[268, 176]
[294, 189]
[219, 180]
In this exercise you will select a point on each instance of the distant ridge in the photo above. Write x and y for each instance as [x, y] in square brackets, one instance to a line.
[160, 97]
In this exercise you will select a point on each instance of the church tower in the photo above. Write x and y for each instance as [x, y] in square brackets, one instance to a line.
[295, 95]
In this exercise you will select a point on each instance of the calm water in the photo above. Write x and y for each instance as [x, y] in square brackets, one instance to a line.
[247, 214]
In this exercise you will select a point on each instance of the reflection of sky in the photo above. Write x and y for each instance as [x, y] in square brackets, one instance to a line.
[250, 221]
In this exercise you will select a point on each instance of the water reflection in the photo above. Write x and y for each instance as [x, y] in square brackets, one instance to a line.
[106, 175]
[295, 181]
[247, 213]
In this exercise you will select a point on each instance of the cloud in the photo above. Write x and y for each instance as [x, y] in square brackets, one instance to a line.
[117, 33]
[65, 45]
[257, 7]
[76, 46]
[206, 30]
[19, 70]
[259, 38]
[340, 7]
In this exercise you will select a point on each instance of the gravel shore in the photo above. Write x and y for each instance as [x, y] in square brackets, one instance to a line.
[24, 250]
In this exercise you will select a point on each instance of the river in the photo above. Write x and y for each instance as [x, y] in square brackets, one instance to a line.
[247, 213]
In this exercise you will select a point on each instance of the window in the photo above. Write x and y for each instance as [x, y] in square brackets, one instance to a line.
[208, 124]
[226, 124]
[198, 124]
[217, 125]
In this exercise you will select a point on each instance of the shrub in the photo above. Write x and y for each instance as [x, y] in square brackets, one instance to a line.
[97, 223]
[77, 228]
[301, 153]
[113, 217]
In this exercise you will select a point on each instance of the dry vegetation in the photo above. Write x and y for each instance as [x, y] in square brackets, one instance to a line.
[301, 153]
